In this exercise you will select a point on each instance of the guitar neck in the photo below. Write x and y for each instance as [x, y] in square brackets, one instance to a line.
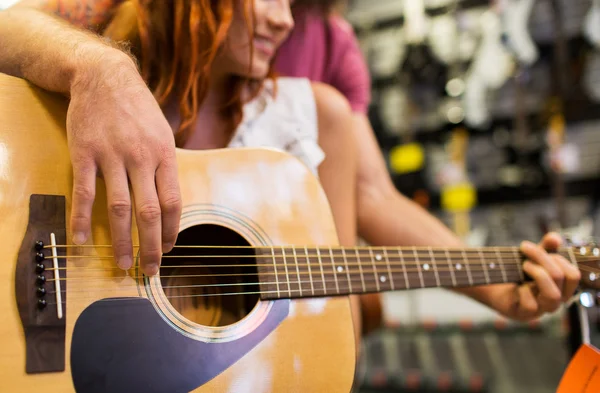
[298, 272]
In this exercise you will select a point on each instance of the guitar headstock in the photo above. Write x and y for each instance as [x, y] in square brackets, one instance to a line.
[587, 257]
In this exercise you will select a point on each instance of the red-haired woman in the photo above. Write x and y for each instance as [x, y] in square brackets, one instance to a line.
[208, 66]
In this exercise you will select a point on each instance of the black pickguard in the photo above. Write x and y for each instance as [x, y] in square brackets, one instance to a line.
[124, 345]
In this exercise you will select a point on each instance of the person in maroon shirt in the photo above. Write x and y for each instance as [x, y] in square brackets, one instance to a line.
[322, 47]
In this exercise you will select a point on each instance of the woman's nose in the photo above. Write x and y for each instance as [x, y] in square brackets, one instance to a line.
[280, 15]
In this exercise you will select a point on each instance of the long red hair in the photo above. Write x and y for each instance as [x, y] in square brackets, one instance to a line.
[176, 42]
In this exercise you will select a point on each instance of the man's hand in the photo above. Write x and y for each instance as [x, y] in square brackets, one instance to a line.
[116, 129]
[555, 281]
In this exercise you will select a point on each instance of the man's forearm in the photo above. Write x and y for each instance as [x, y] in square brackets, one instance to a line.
[49, 52]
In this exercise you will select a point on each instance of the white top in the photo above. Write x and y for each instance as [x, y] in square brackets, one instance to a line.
[285, 121]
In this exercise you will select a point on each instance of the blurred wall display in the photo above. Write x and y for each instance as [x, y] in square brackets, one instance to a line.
[501, 100]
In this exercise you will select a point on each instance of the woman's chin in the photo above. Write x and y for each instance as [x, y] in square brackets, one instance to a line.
[259, 71]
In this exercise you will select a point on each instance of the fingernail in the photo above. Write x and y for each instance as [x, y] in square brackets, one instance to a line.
[125, 262]
[79, 238]
[151, 269]
[166, 247]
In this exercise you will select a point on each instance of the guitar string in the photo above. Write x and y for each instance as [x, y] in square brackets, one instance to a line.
[347, 290]
[405, 263]
[441, 266]
[412, 267]
[367, 276]
[344, 287]
[402, 248]
[291, 285]
[475, 259]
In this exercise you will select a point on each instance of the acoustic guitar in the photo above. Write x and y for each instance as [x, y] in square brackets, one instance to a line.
[253, 298]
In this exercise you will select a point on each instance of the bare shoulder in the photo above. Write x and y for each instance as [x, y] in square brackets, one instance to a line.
[334, 115]
[91, 14]
[337, 172]
[331, 104]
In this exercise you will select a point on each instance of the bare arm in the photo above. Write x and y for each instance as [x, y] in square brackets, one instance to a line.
[338, 171]
[114, 127]
[51, 52]
[386, 217]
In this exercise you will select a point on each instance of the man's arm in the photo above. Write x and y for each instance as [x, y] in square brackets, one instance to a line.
[50, 52]
[114, 127]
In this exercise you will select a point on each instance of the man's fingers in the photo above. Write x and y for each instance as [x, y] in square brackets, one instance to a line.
[84, 193]
[148, 217]
[119, 214]
[169, 197]
[550, 295]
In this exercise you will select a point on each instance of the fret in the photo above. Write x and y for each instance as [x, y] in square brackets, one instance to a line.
[287, 276]
[467, 267]
[442, 275]
[367, 263]
[478, 275]
[483, 265]
[297, 283]
[387, 261]
[437, 277]
[404, 268]
[300, 281]
[451, 267]
[418, 263]
[341, 270]
[347, 270]
[322, 273]
[312, 287]
[362, 277]
[461, 274]
[384, 272]
[337, 287]
[275, 270]
[375, 274]
[425, 268]
[518, 262]
[501, 264]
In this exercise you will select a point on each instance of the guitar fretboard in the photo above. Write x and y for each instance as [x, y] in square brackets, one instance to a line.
[296, 272]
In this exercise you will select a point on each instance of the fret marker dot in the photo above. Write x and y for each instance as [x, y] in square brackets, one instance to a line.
[340, 269]
[378, 257]
[596, 252]
[382, 278]
[426, 266]
[492, 265]
[582, 250]
[593, 276]
[458, 266]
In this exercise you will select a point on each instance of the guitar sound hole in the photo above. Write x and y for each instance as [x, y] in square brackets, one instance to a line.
[210, 277]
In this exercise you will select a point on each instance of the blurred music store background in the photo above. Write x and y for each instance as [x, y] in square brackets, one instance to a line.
[489, 115]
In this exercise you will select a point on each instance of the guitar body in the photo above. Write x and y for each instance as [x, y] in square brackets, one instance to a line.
[118, 331]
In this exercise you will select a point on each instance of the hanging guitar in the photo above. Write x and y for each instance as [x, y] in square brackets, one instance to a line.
[252, 298]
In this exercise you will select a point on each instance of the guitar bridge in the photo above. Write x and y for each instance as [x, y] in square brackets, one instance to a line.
[40, 284]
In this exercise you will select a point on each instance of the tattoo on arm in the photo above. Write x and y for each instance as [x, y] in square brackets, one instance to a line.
[82, 13]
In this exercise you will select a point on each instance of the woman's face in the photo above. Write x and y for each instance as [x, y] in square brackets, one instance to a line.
[272, 23]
